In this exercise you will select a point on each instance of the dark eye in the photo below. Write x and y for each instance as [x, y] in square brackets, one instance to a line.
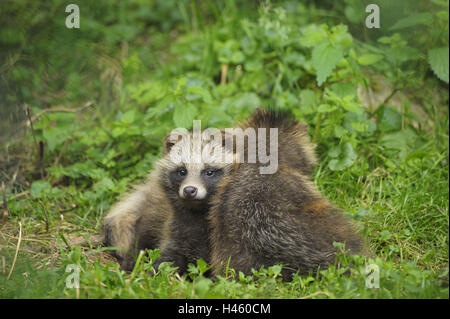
[182, 171]
[209, 172]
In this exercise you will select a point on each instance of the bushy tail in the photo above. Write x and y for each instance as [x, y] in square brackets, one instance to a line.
[271, 118]
[294, 146]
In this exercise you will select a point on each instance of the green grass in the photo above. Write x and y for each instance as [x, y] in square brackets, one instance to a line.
[144, 72]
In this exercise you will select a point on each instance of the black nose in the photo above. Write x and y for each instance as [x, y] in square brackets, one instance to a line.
[190, 192]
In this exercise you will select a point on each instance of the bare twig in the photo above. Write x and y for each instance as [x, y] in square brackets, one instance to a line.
[315, 294]
[61, 109]
[63, 148]
[317, 129]
[223, 75]
[17, 251]
[17, 196]
[68, 209]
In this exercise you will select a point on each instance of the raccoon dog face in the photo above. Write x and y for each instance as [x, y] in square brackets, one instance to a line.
[192, 166]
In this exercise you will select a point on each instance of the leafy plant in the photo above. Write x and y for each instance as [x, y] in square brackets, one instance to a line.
[145, 67]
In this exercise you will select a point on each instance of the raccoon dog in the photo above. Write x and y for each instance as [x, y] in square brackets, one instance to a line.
[265, 219]
[169, 210]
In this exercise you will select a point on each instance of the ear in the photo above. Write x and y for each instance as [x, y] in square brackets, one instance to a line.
[303, 127]
[167, 144]
[171, 138]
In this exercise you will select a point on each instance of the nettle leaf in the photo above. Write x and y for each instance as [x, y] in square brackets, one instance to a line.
[40, 188]
[312, 35]
[341, 36]
[79, 169]
[344, 157]
[339, 131]
[161, 107]
[147, 92]
[128, 117]
[226, 50]
[202, 266]
[184, 115]
[286, 99]
[54, 136]
[349, 105]
[359, 127]
[359, 123]
[204, 93]
[248, 45]
[56, 128]
[326, 108]
[274, 270]
[308, 101]
[43, 189]
[97, 173]
[325, 58]
[334, 151]
[401, 141]
[344, 89]
[438, 59]
[237, 57]
[104, 185]
[417, 19]
[389, 119]
[118, 131]
[368, 59]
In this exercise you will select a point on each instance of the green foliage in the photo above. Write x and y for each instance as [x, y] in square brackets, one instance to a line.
[416, 30]
[107, 94]
[105, 281]
[438, 59]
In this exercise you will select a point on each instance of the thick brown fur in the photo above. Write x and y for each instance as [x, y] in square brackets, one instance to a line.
[157, 216]
[187, 233]
[137, 221]
[261, 220]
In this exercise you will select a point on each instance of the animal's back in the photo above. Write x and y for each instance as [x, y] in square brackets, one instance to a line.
[265, 219]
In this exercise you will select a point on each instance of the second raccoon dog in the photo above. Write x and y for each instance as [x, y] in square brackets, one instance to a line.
[168, 211]
[265, 219]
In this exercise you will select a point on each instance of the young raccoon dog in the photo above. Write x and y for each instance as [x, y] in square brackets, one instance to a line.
[265, 219]
[169, 210]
